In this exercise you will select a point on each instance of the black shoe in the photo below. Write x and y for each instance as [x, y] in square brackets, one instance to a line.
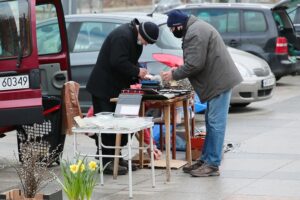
[189, 168]
[124, 163]
[109, 169]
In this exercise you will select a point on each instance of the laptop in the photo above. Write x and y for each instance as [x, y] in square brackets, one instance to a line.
[128, 104]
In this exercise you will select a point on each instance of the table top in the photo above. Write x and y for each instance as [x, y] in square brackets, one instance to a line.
[113, 124]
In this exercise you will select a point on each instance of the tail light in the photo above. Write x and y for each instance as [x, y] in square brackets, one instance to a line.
[171, 61]
[281, 46]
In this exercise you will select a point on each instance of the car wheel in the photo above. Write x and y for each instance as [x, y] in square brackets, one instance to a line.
[239, 105]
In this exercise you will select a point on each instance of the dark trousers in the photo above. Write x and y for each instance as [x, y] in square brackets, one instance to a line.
[101, 105]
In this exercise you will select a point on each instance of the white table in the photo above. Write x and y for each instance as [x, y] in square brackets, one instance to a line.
[116, 125]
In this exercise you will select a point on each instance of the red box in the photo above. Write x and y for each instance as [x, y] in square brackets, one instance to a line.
[197, 142]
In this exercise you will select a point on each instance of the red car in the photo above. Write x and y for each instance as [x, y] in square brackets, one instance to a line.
[26, 76]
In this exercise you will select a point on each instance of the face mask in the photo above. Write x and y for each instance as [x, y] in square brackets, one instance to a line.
[178, 33]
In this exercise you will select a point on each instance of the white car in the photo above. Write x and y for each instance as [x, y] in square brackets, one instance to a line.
[87, 32]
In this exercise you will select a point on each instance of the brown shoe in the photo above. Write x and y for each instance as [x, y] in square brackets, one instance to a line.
[205, 170]
[189, 168]
[124, 163]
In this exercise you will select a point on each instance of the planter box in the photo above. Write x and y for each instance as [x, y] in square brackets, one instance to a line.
[17, 195]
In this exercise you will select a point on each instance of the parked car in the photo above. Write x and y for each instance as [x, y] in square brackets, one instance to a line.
[263, 30]
[165, 5]
[87, 32]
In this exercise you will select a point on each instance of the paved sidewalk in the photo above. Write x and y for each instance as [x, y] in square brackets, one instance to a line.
[263, 165]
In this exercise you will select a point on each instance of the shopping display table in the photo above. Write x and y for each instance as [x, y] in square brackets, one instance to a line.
[110, 124]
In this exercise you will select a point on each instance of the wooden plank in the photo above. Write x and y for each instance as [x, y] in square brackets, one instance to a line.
[174, 164]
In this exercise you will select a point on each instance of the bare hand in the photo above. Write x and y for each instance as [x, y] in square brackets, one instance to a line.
[156, 152]
[167, 76]
[143, 73]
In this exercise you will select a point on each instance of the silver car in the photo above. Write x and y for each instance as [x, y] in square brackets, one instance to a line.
[86, 34]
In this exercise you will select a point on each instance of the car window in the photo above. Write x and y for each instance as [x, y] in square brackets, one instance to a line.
[166, 40]
[92, 35]
[292, 13]
[14, 29]
[48, 36]
[223, 20]
[282, 20]
[254, 21]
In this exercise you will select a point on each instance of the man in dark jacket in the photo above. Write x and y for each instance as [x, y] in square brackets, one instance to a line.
[212, 73]
[116, 69]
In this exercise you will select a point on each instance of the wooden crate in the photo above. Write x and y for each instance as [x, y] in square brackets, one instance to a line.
[16, 194]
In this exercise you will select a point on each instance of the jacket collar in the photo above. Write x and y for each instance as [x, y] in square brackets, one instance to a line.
[192, 19]
[133, 25]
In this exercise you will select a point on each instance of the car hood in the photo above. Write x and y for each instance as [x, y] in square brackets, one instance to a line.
[244, 59]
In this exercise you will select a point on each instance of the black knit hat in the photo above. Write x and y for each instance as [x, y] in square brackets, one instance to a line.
[149, 31]
[176, 18]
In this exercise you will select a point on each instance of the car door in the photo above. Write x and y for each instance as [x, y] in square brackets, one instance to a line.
[225, 21]
[20, 94]
[53, 51]
[26, 74]
[281, 8]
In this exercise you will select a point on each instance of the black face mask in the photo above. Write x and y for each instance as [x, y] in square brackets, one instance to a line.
[178, 33]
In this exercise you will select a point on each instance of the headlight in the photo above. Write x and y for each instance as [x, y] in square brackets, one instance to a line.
[244, 71]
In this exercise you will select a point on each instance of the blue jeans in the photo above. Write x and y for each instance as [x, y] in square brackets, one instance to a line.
[215, 120]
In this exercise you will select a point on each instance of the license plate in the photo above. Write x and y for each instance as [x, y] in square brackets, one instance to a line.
[268, 82]
[14, 82]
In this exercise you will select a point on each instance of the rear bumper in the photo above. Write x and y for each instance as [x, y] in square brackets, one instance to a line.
[281, 65]
[20, 116]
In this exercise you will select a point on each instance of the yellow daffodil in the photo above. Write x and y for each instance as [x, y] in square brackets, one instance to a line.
[93, 165]
[80, 178]
[74, 168]
[79, 162]
[82, 167]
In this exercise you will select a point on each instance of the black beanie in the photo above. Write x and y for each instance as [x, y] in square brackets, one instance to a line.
[176, 18]
[149, 31]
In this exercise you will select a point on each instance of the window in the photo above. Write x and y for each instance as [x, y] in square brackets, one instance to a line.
[233, 19]
[254, 21]
[282, 20]
[166, 40]
[92, 35]
[292, 13]
[223, 20]
[14, 29]
[48, 33]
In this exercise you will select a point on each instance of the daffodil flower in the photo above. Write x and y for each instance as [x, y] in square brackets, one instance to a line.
[79, 178]
[82, 167]
[93, 165]
[74, 168]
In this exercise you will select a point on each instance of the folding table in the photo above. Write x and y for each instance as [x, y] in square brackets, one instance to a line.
[116, 125]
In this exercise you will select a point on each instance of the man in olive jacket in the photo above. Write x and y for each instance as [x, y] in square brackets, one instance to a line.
[116, 69]
[212, 73]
